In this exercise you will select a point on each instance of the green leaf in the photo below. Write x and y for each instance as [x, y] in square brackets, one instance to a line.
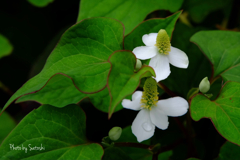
[193, 159]
[7, 124]
[224, 111]
[5, 46]
[40, 3]
[129, 12]
[61, 131]
[82, 53]
[134, 39]
[222, 49]
[199, 9]
[229, 151]
[60, 90]
[123, 80]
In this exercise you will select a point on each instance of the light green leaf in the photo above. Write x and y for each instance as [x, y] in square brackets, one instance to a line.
[222, 48]
[224, 111]
[134, 39]
[123, 80]
[40, 3]
[7, 124]
[229, 151]
[5, 46]
[61, 131]
[129, 12]
[82, 54]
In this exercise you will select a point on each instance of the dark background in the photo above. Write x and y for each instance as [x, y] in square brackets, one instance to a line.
[34, 32]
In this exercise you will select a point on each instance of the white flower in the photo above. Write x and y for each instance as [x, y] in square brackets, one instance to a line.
[153, 112]
[159, 49]
[143, 126]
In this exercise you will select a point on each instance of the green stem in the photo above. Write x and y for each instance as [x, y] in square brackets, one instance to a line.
[130, 144]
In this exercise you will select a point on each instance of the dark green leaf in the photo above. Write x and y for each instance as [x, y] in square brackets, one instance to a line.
[129, 12]
[224, 111]
[199, 9]
[139, 153]
[61, 131]
[134, 39]
[229, 151]
[5, 46]
[182, 80]
[115, 153]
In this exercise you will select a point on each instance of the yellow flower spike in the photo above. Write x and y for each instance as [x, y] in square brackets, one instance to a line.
[163, 42]
[150, 94]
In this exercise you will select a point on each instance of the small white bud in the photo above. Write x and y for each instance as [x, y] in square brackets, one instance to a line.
[138, 65]
[115, 133]
[204, 85]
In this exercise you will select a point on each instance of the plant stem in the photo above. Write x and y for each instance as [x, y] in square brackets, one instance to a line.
[166, 89]
[5, 89]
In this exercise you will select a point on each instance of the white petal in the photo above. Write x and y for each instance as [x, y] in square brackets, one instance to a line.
[174, 107]
[145, 52]
[159, 118]
[135, 104]
[137, 95]
[160, 64]
[178, 58]
[142, 126]
[149, 39]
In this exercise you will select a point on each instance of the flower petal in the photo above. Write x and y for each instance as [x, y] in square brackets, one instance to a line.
[145, 52]
[137, 95]
[160, 64]
[149, 39]
[159, 118]
[178, 58]
[142, 126]
[174, 107]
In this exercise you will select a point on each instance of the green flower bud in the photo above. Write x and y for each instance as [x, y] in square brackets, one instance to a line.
[115, 133]
[204, 85]
[138, 65]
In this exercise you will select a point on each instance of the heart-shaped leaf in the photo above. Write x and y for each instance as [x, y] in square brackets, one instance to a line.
[51, 133]
[224, 111]
[129, 12]
[82, 54]
[222, 48]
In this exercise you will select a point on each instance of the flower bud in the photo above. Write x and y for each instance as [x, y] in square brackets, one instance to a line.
[138, 65]
[204, 85]
[115, 133]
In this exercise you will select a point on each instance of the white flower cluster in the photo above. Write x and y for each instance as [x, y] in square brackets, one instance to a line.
[154, 112]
